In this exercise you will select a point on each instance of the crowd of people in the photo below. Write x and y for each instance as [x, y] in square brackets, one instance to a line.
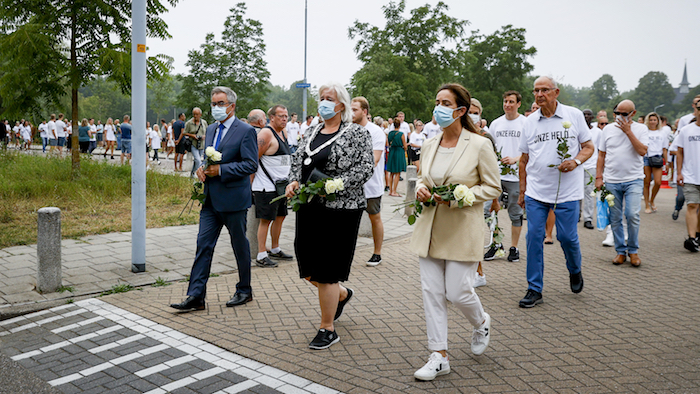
[549, 167]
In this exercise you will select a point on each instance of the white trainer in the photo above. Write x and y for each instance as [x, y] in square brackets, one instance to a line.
[480, 280]
[481, 336]
[609, 240]
[436, 366]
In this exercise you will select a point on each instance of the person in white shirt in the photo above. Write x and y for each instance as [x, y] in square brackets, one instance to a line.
[110, 137]
[431, 129]
[415, 142]
[51, 133]
[589, 201]
[60, 134]
[293, 132]
[543, 187]
[100, 134]
[304, 126]
[688, 141]
[26, 132]
[93, 135]
[16, 137]
[621, 169]
[404, 128]
[686, 119]
[43, 129]
[154, 137]
[374, 188]
[655, 160]
[506, 132]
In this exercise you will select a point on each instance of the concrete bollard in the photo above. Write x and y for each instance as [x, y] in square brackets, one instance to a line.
[252, 232]
[411, 172]
[48, 250]
[365, 226]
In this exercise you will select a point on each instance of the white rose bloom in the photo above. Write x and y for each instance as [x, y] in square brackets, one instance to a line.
[216, 156]
[566, 124]
[500, 253]
[460, 192]
[339, 183]
[610, 199]
[209, 151]
[470, 198]
[592, 194]
[330, 186]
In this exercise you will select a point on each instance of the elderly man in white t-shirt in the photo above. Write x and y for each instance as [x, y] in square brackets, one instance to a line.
[374, 188]
[549, 181]
[621, 169]
[688, 142]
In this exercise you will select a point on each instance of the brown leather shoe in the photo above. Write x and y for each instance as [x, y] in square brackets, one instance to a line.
[635, 260]
[619, 259]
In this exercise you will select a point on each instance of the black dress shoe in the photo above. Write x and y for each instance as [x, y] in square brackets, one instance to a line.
[239, 299]
[531, 299]
[576, 282]
[588, 225]
[190, 304]
[280, 255]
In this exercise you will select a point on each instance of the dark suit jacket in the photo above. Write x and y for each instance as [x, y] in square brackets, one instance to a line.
[239, 150]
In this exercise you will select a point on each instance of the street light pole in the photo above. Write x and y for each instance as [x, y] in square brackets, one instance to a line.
[303, 99]
[138, 136]
[658, 106]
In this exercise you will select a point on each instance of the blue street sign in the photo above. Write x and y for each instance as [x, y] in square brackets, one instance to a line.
[303, 85]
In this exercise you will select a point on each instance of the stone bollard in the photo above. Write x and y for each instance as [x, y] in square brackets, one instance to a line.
[365, 226]
[48, 250]
[252, 232]
[411, 179]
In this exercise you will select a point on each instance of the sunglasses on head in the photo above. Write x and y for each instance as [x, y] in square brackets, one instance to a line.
[621, 113]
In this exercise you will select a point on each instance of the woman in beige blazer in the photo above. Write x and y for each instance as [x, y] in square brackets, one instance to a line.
[448, 239]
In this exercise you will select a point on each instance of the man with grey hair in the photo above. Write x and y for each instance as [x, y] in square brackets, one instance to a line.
[195, 130]
[555, 142]
[227, 199]
[256, 118]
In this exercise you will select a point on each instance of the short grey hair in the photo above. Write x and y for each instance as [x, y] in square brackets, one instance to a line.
[197, 109]
[550, 79]
[378, 120]
[255, 116]
[343, 97]
[230, 94]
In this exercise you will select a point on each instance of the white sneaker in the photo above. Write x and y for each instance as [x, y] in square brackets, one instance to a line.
[436, 366]
[481, 336]
[480, 280]
[609, 240]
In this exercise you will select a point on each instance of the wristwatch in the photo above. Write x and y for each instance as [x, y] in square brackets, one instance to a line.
[578, 162]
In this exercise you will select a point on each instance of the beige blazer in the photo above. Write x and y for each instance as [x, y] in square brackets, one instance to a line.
[453, 233]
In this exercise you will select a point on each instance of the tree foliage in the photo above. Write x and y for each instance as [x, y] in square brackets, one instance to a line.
[602, 93]
[653, 90]
[292, 99]
[236, 61]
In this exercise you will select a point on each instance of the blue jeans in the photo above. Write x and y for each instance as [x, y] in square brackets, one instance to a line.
[631, 194]
[198, 154]
[567, 234]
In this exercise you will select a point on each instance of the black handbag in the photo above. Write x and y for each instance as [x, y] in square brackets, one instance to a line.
[187, 143]
[656, 161]
[280, 184]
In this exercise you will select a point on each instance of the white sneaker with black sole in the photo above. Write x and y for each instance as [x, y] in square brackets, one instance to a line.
[437, 365]
[481, 336]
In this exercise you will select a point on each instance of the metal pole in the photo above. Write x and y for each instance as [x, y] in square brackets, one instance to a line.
[138, 136]
[658, 106]
[306, 18]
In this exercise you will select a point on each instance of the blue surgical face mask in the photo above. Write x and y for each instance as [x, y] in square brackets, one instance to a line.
[327, 109]
[443, 115]
[219, 113]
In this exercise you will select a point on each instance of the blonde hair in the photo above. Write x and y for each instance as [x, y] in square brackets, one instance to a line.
[658, 120]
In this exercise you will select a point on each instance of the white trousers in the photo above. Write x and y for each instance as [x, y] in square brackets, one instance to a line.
[444, 280]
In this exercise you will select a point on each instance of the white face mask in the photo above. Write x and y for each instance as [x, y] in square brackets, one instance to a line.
[475, 118]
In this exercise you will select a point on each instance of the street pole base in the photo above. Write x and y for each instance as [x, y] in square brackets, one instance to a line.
[138, 268]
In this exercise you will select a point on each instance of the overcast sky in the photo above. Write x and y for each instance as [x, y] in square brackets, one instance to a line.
[576, 41]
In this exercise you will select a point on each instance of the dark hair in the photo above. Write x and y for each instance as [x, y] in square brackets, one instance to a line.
[293, 115]
[515, 93]
[273, 111]
[309, 117]
[181, 114]
[463, 99]
[397, 123]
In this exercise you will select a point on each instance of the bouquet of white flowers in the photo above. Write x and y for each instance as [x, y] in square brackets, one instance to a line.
[211, 156]
[327, 188]
[462, 194]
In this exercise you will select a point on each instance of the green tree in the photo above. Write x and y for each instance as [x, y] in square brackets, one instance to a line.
[161, 95]
[411, 55]
[236, 61]
[492, 64]
[72, 42]
[685, 105]
[602, 92]
[292, 99]
[653, 90]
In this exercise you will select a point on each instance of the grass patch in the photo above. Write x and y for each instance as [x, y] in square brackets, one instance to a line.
[213, 275]
[97, 201]
[63, 289]
[70, 301]
[160, 282]
[120, 288]
[185, 279]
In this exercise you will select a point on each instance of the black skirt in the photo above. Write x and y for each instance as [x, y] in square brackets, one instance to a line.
[325, 241]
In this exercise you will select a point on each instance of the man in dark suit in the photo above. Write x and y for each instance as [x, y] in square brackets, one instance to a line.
[228, 197]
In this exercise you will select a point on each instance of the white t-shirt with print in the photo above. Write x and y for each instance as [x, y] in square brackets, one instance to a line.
[658, 141]
[539, 140]
[42, 130]
[60, 129]
[93, 128]
[292, 133]
[689, 140]
[375, 185]
[591, 164]
[507, 134]
[685, 120]
[431, 130]
[417, 139]
[51, 129]
[155, 139]
[405, 129]
[622, 162]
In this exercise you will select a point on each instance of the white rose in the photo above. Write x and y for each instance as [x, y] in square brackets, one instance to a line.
[216, 156]
[610, 199]
[209, 151]
[469, 198]
[500, 253]
[592, 194]
[330, 186]
[566, 124]
[339, 183]
[460, 192]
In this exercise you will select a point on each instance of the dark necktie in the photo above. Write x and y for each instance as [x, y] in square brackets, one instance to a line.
[218, 137]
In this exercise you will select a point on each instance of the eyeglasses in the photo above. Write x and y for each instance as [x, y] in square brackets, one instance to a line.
[621, 113]
[603, 124]
[220, 104]
[543, 90]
